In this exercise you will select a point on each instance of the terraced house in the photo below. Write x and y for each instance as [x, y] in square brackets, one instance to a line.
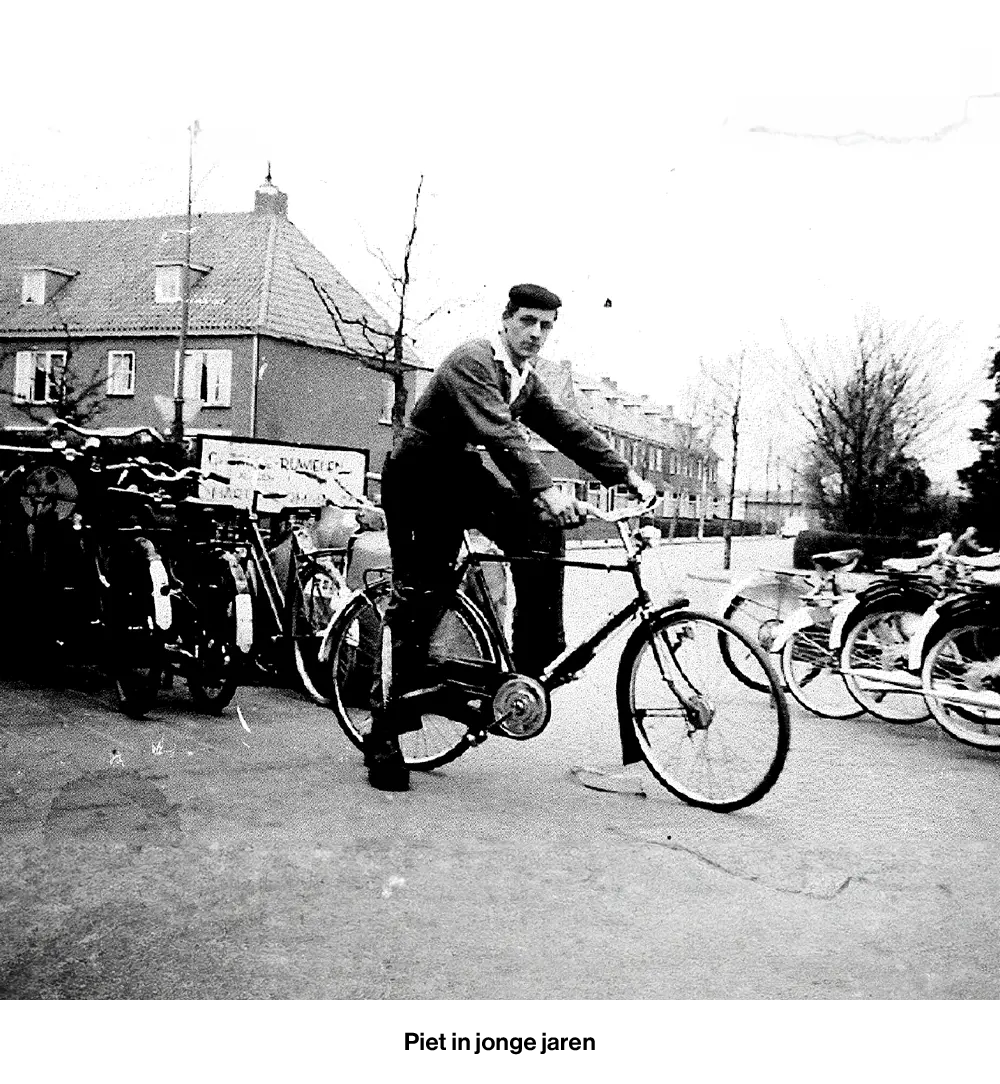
[264, 356]
[669, 452]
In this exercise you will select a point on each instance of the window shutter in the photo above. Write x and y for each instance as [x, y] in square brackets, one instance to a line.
[218, 369]
[24, 376]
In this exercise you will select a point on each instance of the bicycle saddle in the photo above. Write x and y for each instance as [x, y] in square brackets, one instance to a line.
[828, 562]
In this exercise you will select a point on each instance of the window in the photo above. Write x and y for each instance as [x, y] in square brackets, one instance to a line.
[207, 376]
[121, 372]
[673, 464]
[33, 287]
[388, 398]
[35, 375]
[168, 284]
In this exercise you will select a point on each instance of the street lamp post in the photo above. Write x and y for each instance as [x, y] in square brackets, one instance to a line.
[178, 427]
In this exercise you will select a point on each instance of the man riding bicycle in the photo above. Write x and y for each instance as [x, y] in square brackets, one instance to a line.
[476, 399]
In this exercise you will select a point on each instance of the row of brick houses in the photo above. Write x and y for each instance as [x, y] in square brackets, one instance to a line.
[264, 356]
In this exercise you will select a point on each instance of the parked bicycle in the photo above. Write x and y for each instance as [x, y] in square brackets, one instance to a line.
[874, 633]
[95, 578]
[703, 733]
[298, 585]
[210, 622]
[809, 666]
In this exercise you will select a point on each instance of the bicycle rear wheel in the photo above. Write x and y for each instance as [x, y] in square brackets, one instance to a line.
[213, 672]
[134, 644]
[961, 680]
[706, 738]
[879, 642]
[316, 588]
[351, 665]
[760, 621]
[811, 673]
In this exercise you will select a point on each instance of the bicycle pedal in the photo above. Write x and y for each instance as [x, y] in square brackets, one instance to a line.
[476, 737]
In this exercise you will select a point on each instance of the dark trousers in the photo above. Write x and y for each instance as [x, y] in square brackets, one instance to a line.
[428, 504]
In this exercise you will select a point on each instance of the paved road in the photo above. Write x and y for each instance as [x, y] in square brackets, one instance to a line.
[246, 857]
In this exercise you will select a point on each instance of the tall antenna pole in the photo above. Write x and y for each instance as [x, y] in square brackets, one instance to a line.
[178, 432]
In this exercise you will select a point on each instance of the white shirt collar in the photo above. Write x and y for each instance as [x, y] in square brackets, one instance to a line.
[517, 378]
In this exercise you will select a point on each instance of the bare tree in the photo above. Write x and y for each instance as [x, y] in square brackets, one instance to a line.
[725, 382]
[385, 347]
[871, 406]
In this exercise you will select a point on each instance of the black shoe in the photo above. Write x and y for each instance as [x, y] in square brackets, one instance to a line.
[386, 768]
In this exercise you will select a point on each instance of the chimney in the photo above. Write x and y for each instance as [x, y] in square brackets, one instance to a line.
[269, 199]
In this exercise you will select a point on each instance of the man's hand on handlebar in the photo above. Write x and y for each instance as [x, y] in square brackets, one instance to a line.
[558, 507]
[644, 491]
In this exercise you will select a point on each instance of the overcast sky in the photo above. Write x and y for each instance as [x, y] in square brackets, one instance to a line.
[727, 175]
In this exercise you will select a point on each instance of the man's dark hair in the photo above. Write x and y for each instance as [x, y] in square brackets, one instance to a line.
[529, 296]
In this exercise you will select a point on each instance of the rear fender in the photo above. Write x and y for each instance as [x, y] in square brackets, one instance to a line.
[947, 612]
[769, 588]
[841, 618]
[243, 603]
[161, 584]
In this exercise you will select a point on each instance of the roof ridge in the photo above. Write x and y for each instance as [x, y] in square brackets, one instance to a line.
[130, 218]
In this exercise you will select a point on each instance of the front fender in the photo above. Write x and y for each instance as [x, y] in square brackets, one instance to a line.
[802, 618]
[927, 620]
[162, 613]
[841, 616]
[769, 587]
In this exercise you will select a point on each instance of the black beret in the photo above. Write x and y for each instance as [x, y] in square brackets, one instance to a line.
[529, 296]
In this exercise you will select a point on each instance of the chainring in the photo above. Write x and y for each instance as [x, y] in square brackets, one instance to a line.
[521, 708]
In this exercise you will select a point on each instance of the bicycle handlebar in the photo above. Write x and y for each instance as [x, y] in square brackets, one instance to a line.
[62, 423]
[621, 513]
[166, 473]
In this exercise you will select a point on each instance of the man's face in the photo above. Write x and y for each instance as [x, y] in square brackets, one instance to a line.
[527, 330]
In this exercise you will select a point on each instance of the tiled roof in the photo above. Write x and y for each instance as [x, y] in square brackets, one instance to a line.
[256, 282]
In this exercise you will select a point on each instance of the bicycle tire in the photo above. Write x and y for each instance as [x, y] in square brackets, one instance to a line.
[963, 657]
[675, 656]
[353, 647]
[759, 620]
[134, 643]
[312, 602]
[880, 640]
[213, 673]
[811, 673]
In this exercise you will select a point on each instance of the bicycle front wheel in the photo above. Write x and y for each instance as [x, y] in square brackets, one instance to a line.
[878, 645]
[811, 672]
[351, 665]
[961, 681]
[707, 738]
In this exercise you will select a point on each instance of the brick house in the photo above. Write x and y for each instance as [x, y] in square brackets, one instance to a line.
[264, 357]
[666, 451]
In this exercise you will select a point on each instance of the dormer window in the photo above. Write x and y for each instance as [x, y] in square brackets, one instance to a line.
[40, 284]
[168, 280]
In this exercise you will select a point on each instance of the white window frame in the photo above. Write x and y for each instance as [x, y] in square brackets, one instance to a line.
[33, 287]
[167, 290]
[26, 373]
[116, 385]
[207, 377]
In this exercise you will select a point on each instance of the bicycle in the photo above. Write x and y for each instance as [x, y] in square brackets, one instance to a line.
[94, 568]
[879, 631]
[211, 625]
[296, 593]
[679, 706]
[809, 666]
